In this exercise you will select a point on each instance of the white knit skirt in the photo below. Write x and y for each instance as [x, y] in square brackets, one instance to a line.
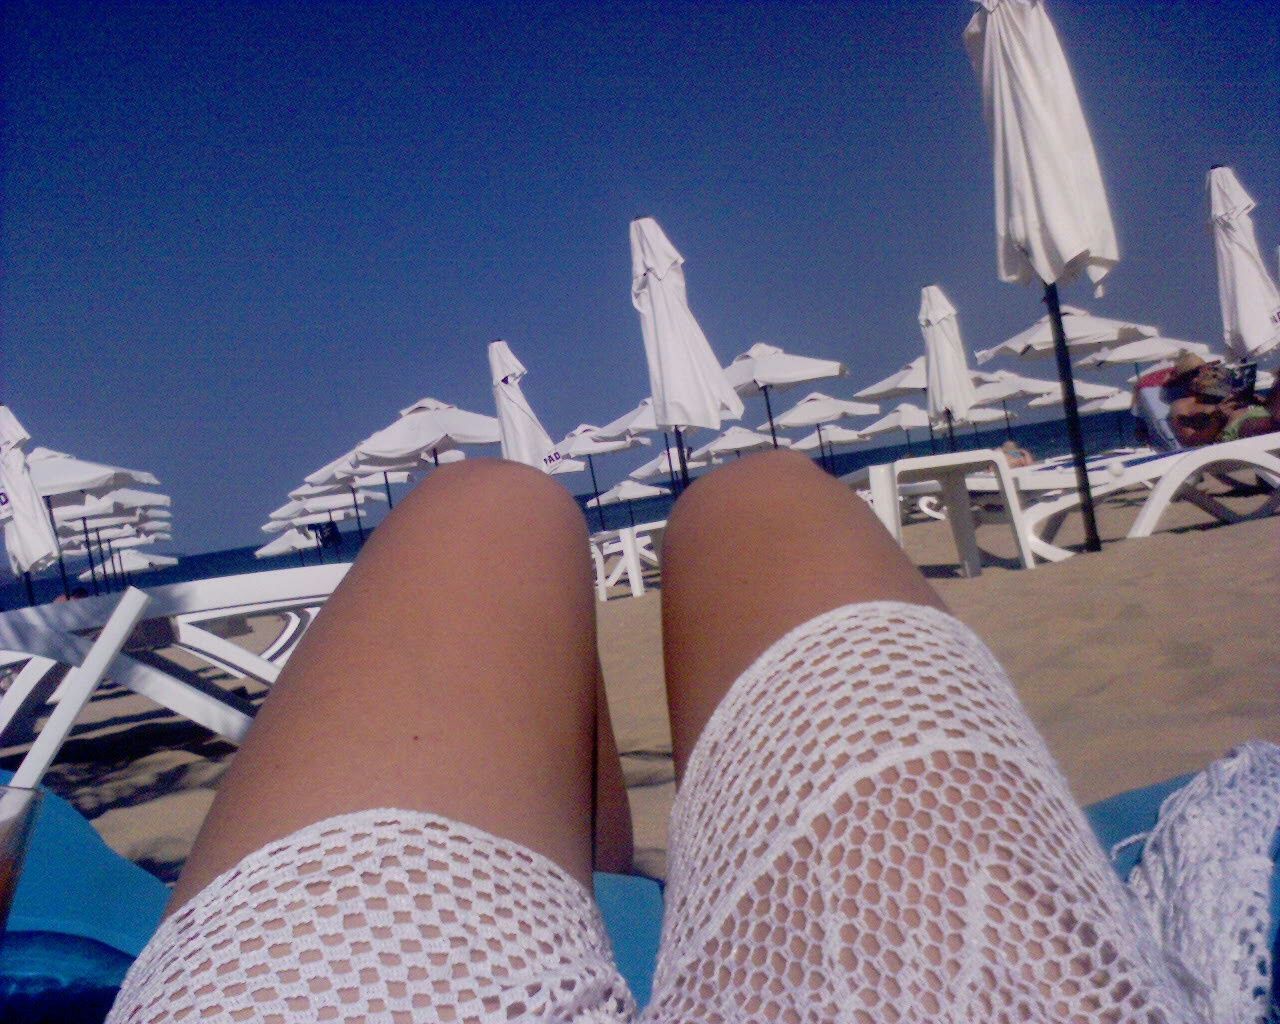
[870, 830]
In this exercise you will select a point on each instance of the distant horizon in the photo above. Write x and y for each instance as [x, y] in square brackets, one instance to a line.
[239, 238]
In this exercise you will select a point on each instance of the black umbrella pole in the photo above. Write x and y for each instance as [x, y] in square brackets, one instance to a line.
[62, 566]
[386, 486]
[684, 463]
[355, 507]
[768, 408]
[1074, 433]
[31, 594]
[88, 553]
[951, 429]
[671, 473]
[595, 489]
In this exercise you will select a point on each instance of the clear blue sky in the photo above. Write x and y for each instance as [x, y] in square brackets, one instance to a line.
[238, 237]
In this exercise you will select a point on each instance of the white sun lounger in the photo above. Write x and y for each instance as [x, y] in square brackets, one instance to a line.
[1049, 492]
[54, 634]
[625, 552]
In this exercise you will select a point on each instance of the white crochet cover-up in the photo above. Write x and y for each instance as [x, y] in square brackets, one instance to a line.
[870, 830]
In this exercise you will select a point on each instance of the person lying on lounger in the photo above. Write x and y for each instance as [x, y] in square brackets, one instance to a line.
[1210, 409]
[867, 828]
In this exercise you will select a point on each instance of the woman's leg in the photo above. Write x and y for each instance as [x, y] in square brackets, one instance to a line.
[752, 551]
[454, 670]
[868, 827]
[443, 705]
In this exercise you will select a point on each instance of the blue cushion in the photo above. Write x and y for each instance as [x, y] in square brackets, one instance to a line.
[74, 884]
[632, 910]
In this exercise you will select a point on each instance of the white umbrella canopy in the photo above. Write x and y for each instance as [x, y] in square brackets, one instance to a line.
[1144, 350]
[585, 440]
[688, 386]
[427, 428]
[949, 391]
[338, 515]
[28, 536]
[627, 490]
[764, 368]
[900, 384]
[325, 503]
[665, 463]
[639, 420]
[1005, 384]
[1084, 389]
[132, 561]
[1247, 294]
[1084, 332]
[830, 437]
[736, 441]
[369, 480]
[290, 541]
[767, 366]
[56, 473]
[1117, 402]
[903, 417]
[1052, 217]
[816, 408]
[522, 435]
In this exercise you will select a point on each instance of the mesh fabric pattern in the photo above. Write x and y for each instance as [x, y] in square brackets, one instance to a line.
[870, 830]
[381, 916]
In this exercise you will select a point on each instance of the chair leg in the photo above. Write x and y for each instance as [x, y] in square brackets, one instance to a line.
[79, 686]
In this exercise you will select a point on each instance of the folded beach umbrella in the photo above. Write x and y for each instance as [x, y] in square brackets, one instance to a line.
[688, 387]
[905, 417]
[1144, 350]
[628, 491]
[29, 536]
[666, 463]
[904, 383]
[736, 441]
[763, 368]
[1052, 217]
[949, 393]
[585, 441]
[522, 437]
[1247, 293]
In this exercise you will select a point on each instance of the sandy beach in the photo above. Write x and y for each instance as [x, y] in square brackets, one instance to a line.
[1147, 660]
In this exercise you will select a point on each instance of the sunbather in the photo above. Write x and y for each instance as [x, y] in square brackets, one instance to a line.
[1209, 411]
[868, 827]
[1016, 455]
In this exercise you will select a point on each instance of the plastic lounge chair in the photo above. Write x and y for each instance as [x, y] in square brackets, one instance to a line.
[1170, 477]
[631, 549]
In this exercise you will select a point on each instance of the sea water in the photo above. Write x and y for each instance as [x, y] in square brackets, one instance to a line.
[1102, 431]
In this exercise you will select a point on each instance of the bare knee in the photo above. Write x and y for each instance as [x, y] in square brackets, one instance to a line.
[492, 495]
[774, 482]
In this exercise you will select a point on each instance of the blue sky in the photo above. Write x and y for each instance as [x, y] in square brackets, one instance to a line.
[238, 237]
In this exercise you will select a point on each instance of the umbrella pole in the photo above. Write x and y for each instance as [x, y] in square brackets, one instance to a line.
[88, 553]
[338, 545]
[31, 594]
[1008, 424]
[102, 561]
[302, 558]
[386, 486]
[671, 473]
[631, 514]
[355, 507]
[933, 443]
[1074, 433]
[822, 452]
[435, 457]
[595, 488]
[62, 566]
[768, 408]
[907, 433]
[684, 464]
[951, 429]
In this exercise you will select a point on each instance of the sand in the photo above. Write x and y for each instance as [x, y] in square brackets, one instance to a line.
[1147, 660]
